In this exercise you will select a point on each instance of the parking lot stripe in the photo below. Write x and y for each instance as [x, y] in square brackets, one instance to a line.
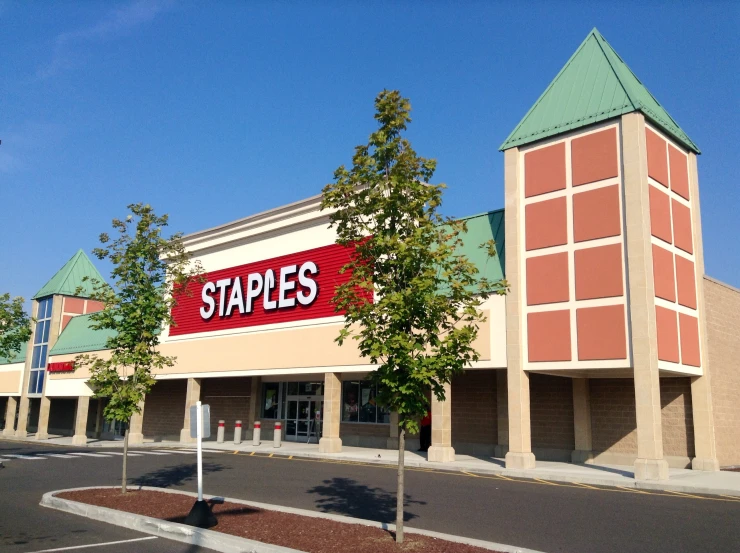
[30, 457]
[166, 451]
[61, 456]
[118, 453]
[73, 547]
[92, 455]
[150, 452]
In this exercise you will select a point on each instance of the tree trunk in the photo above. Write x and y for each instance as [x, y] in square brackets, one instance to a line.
[125, 460]
[399, 493]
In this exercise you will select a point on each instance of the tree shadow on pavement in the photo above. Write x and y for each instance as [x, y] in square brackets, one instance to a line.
[175, 475]
[344, 496]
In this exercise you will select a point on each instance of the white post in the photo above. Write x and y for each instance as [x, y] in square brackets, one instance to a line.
[238, 433]
[256, 434]
[276, 441]
[199, 433]
[221, 432]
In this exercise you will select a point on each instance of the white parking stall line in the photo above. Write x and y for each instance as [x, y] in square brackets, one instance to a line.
[130, 454]
[206, 450]
[29, 457]
[92, 455]
[60, 456]
[150, 452]
[74, 547]
[3, 460]
[174, 451]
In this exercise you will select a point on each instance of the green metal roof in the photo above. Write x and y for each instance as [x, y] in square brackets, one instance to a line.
[481, 229]
[78, 337]
[593, 86]
[70, 277]
[19, 358]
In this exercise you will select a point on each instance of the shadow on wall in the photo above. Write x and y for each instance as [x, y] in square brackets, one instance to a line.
[344, 496]
[176, 475]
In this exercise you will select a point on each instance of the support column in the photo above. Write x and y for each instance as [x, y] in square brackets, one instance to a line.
[192, 396]
[583, 452]
[255, 406]
[520, 454]
[502, 415]
[705, 448]
[392, 441]
[136, 426]
[21, 430]
[441, 450]
[83, 406]
[330, 441]
[650, 464]
[43, 429]
[10, 410]
[99, 419]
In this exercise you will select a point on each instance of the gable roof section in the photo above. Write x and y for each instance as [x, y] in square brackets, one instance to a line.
[70, 277]
[594, 85]
[20, 357]
[481, 229]
[78, 337]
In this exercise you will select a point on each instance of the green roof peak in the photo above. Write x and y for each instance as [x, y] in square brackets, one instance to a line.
[70, 277]
[594, 85]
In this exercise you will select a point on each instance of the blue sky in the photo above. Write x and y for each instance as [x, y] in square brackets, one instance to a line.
[212, 112]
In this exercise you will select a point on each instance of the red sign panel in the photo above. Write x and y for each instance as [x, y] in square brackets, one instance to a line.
[61, 367]
[283, 289]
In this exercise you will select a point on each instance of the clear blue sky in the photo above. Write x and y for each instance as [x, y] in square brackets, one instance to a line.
[212, 112]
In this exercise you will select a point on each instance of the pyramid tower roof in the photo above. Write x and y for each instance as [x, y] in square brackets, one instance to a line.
[71, 277]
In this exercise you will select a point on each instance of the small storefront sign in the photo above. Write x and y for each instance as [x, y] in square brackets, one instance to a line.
[61, 367]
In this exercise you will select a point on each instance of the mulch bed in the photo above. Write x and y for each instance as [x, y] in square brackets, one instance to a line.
[313, 535]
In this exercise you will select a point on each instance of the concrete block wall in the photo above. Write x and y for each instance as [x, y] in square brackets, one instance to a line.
[474, 423]
[364, 435]
[722, 304]
[164, 410]
[551, 400]
[229, 400]
[676, 417]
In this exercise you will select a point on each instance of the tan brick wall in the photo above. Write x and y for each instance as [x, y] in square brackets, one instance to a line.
[551, 400]
[676, 418]
[359, 429]
[164, 410]
[474, 408]
[722, 304]
[229, 400]
[613, 421]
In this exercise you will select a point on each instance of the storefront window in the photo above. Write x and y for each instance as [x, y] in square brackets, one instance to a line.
[271, 400]
[360, 403]
[40, 348]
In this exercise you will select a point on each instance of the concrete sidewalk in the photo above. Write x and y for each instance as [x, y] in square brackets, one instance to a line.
[680, 480]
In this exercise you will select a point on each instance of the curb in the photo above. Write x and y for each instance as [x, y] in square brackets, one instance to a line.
[226, 543]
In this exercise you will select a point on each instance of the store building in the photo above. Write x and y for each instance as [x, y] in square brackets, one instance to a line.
[612, 345]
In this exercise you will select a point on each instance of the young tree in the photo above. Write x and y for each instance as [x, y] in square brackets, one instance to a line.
[148, 272]
[421, 324]
[15, 326]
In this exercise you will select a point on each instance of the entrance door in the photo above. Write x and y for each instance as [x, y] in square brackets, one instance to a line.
[301, 418]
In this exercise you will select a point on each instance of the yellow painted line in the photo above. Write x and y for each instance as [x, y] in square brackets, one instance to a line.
[289, 458]
[236, 452]
[686, 494]
[271, 454]
[546, 482]
[470, 474]
[586, 486]
[733, 497]
[633, 490]
[251, 454]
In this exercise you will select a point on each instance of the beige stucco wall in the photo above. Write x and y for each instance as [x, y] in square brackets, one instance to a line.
[723, 334]
[10, 379]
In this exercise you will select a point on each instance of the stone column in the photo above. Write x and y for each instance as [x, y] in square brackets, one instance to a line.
[10, 410]
[392, 441]
[583, 452]
[99, 419]
[705, 448]
[21, 430]
[136, 426]
[520, 454]
[43, 429]
[441, 450]
[330, 441]
[502, 415]
[255, 406]
[192, 396]
[83, 405]
[650, 464]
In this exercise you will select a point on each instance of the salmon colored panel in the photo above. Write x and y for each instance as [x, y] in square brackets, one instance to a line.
[667, 334]
[689, 340]
[682, 227]
[601, 333]
[65, 320]
[545, 224]
[679, 172]
[594, 157]
[599, 272]
[74, 305]
[548, 336]
[665, 285]
[547, 279]
[660, 215]
[596, 214]
[686, 281]
[94, 306]
[544, 170]
[657, 158]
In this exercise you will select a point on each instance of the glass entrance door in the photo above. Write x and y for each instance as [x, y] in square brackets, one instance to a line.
[301, 418]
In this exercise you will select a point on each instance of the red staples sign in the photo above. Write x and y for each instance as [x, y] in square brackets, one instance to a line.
[61, 367]
[283, 289]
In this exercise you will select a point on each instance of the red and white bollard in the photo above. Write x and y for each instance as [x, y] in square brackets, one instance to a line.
[238, 433]
[221, 432]
[256, 434]
[278, 436]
